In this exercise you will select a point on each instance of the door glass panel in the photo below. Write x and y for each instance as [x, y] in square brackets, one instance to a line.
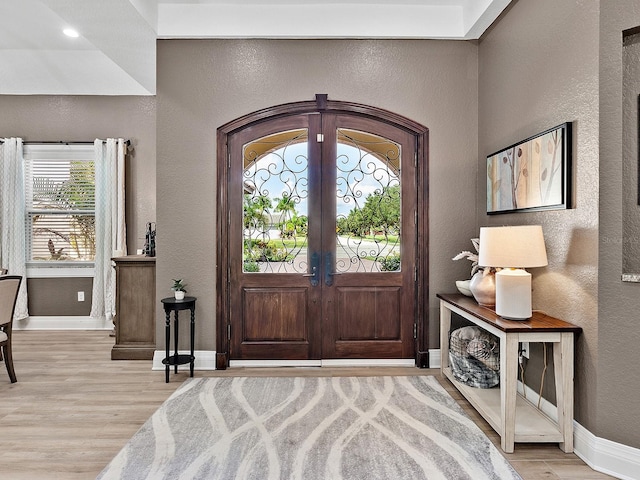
[275, 193]
[368, 203]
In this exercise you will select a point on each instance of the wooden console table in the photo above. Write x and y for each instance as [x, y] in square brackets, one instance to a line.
[512, 416]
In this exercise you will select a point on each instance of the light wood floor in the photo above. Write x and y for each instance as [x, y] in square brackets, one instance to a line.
[73, 408]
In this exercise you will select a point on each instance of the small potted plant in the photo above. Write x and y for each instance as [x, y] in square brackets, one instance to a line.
[178, 288]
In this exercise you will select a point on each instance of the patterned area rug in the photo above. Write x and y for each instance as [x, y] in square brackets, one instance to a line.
[310, 428]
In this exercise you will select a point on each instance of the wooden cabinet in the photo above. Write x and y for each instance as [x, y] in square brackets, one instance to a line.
[135, 308]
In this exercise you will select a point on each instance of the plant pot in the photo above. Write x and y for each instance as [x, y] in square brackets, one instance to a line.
[483, 288]
[179, 295]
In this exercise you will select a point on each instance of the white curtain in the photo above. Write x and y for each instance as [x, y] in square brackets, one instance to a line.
[110, 223]
[12, 218]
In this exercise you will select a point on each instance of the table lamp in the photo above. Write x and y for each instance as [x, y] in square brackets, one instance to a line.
[513, 249]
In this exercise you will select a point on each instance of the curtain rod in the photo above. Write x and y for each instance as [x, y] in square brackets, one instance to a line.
[60, 142]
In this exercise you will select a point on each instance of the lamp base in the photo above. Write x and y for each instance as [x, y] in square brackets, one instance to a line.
[513, 294]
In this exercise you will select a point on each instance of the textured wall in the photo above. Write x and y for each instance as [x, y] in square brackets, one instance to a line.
[619, 335]
[59, 296]
[202, 84]
[538, 69]
[84, 118]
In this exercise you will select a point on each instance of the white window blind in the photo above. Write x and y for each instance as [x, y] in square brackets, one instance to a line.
[60, 203]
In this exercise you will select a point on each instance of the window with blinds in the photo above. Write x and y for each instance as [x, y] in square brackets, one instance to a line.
[60, 203]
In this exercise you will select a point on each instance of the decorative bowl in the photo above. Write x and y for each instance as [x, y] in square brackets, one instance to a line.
[463, 287]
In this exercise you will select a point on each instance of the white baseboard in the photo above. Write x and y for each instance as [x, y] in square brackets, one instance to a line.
[272, 363]
[434, 358]
[369, 362]
[612, 458]
[602, 455]
[364, 362]
[62, 323]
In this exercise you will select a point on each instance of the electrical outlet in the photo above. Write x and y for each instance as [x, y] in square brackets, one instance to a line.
[525, 349]
[81, 296]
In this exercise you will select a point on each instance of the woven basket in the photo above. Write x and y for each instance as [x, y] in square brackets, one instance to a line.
[474, 357]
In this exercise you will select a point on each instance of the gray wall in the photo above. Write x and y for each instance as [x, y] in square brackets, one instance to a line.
[203, 84]
[618, 416]
[544, 63]
[84, 118]
[59, 296]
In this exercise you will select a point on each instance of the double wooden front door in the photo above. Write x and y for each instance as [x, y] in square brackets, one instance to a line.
[321, 240]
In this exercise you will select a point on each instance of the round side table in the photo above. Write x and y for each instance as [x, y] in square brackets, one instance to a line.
[170, 304]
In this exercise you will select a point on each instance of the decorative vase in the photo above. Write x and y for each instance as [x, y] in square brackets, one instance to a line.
[179, 294]
[483, 288]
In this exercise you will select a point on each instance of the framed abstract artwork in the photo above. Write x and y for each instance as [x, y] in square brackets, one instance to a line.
[534, 174]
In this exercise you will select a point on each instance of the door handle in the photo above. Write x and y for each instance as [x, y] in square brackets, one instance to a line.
[328, 269]
[315, 270]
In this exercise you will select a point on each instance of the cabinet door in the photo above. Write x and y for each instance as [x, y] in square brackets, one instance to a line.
[135, 309]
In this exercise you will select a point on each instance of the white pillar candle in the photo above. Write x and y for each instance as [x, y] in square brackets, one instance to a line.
[513, 294]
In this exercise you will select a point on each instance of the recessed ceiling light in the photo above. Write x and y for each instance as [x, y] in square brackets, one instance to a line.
[70, 32]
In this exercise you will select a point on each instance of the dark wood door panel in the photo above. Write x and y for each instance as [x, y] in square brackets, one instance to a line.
[274, 314]
[365, 313]
[275, 319]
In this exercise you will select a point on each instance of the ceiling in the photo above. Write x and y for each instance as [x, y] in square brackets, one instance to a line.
[115, 53]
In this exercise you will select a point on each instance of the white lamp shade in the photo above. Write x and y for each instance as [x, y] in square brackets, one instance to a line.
[516, 247]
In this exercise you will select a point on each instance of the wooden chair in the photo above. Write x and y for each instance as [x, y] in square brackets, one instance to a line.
[9, 286]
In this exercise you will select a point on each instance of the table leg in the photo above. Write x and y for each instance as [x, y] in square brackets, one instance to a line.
[563, 372]
[445, 326]
[175, 340]
[193, 337]
[167, 341]
[508, 390]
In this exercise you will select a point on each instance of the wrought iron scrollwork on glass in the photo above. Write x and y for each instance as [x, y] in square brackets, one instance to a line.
[368, 203]
[275, 193]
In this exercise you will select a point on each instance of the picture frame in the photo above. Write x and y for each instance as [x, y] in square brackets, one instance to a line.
[531, 175]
